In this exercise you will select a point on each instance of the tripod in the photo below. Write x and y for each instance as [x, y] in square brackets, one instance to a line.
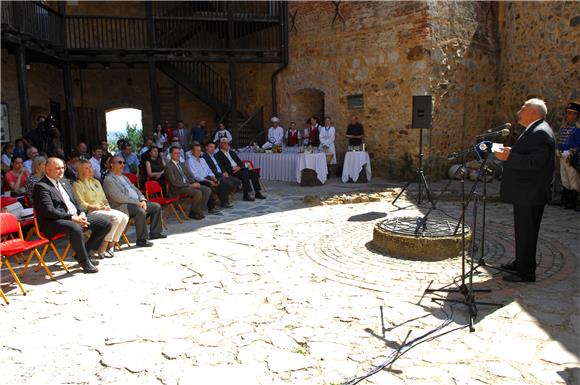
[421, 180]
[466, 286]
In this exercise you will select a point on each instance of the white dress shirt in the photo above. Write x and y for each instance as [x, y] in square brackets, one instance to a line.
[28, 165]
[232, 161]
[70, 206]
[199, 168]
[326, 135]
[96, 165]
[222, 134]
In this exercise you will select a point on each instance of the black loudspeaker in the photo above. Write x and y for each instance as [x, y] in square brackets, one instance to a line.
[422, 109]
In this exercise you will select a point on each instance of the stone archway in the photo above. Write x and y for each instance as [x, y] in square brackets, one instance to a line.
[305, 103]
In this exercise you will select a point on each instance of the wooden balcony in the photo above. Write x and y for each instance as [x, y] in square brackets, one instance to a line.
[171, 31]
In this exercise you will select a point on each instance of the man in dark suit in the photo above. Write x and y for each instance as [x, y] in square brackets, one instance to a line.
[182, 182]
[231, 163]
[527, 174]
[58, 212]
[222, 177]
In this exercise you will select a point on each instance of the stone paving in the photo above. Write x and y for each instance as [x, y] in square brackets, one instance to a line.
[277, 292]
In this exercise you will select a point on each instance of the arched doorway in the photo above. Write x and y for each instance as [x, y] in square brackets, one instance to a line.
[124, 123]
[305, 103]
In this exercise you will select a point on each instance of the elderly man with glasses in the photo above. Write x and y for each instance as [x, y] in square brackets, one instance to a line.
[125, 197]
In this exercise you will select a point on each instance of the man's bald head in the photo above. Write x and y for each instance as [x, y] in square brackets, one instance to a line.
[54, 168]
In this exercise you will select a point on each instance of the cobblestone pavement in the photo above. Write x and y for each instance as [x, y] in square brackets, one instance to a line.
[274, 292]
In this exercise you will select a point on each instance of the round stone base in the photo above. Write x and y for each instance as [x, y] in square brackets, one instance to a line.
[423, 247]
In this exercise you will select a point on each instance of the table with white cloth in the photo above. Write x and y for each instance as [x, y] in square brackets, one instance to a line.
[273, 166]
[353, 164]
[287, 166]
[314, 161]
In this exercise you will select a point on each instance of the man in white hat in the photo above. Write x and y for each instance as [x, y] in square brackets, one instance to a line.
[275, 134]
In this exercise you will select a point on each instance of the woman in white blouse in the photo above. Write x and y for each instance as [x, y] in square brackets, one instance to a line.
[327, 135]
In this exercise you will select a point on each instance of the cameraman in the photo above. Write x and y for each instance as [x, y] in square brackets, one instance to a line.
[37, 136]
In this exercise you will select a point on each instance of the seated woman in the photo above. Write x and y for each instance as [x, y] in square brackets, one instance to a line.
[16, 177]
[38, 166]
[155, 166]
[90, 196]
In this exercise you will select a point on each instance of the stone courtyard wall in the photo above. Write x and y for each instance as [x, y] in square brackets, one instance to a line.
[539, 56]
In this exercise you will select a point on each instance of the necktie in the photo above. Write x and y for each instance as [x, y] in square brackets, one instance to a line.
[181, 172]
[71, 208]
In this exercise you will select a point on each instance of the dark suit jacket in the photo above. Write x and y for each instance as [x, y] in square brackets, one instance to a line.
[527, 173]
[174, 179]
[224, 162]
[211, 165]
[49, 204]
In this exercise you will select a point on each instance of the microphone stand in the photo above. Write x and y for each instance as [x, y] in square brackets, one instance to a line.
[466, 286]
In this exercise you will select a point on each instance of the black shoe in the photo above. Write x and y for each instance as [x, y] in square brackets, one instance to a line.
[94, 261]
[248, 198]
[227, 205]
[157, 236]
[509, 266]
[260, 196]
[518, 278]
[196, 217]
[144, 243]
[88, 267]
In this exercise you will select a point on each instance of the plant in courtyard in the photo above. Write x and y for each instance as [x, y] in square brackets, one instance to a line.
[132, 133]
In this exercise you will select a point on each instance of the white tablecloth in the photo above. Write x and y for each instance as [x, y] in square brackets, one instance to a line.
[274, 166]
[316, 162]
[353, 163]
[287, 166]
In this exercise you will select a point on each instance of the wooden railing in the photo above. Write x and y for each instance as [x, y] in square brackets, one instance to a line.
[207, 78]
[106, 32]
[34, 20]
[194, 26]
[251, 129]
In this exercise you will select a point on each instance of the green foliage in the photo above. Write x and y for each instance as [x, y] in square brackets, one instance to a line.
[133, 134]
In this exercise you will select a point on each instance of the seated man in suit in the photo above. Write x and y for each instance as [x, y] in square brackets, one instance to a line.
[125, 197]
[205, 176]
[230, 162]
[58, 212]
[222, 177]
[182, 182]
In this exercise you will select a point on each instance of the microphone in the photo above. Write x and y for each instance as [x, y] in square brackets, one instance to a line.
[499, 131]
[479, 148]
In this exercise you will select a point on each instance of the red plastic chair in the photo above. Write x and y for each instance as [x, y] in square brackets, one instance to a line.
[7, 201]
[9, 248]
[154, 193]
[133, 178]
[250, 165]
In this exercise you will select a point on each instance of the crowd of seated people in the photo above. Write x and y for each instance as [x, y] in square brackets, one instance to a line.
[91, 197]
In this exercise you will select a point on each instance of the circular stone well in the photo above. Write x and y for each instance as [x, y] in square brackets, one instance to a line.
[398, 237]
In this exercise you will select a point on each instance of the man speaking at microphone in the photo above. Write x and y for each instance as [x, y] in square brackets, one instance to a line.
[527, 173]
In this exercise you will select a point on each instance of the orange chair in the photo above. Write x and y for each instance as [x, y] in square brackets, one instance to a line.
[51, 241]
[154, 193]
[8, 225]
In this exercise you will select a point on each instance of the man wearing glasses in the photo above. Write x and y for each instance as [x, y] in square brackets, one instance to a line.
[125, 197]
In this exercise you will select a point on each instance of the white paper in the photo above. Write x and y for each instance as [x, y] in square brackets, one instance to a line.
[496, 147]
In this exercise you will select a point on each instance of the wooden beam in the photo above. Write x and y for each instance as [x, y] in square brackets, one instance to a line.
[71, 123]
[25, 121]
[154, 91]
[233, 103]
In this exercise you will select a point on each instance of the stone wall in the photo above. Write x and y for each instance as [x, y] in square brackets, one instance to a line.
[539, 56]
[378, 51]
[44, 85]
